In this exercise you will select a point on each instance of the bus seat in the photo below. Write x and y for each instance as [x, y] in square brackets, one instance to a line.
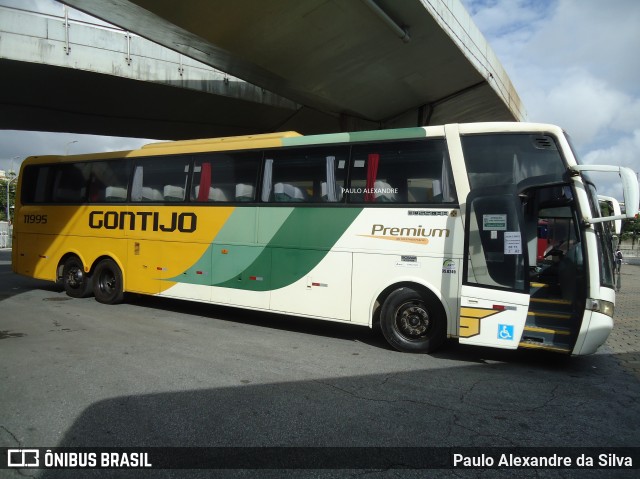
[151, 194]
[287, 192]
[173, 193]
[215, 194]
[325, 195]
[218, 194]
[386, 196]
[244, 192]
[115, 193]
[422, 190]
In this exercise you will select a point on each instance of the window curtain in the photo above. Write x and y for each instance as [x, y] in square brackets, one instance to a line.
[267, 180]
[331, 179]
[205, 182]
[372, 173]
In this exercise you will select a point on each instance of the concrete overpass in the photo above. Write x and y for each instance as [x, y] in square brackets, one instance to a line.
[66, 75]
[312, 66]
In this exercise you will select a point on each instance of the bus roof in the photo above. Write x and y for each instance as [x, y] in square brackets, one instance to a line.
[292, 138]
[226, 139]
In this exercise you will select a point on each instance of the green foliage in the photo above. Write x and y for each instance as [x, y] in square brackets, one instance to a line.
[631, 229]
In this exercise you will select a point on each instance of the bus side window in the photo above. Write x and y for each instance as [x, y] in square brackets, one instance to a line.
[414, 171]
[298, 175]
[225, 177]
[160, 179]
[70, 183]
[108, 181]
[36, 184]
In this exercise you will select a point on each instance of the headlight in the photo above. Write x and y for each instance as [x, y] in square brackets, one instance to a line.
[601, 306]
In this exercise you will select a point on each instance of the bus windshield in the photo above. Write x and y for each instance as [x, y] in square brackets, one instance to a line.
[512, 159]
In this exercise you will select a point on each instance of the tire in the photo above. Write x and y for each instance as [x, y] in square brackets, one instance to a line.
[75, 281]
[413, 323]
[107, 282]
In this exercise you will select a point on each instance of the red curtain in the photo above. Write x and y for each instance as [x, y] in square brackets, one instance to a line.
[372, 172]
[205, 182]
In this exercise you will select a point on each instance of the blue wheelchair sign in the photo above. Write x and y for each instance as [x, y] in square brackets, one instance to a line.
[505, 331]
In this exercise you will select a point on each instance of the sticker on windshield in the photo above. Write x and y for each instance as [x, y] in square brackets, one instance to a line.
[494, 222]
[512, 242]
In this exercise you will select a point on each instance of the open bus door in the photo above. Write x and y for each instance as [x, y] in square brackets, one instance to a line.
[495, 289]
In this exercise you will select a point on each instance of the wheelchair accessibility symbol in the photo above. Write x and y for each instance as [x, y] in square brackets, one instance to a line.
[505, 331]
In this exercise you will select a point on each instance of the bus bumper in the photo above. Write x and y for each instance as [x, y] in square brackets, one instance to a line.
[600, 326]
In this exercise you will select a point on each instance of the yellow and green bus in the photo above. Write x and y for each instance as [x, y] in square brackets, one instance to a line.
[430, 232]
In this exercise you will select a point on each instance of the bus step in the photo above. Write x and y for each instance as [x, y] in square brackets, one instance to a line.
[557, 309]
[537, 318]
[551, 338]
[543, 289]
[538, 330]
[550, 325]
[550, 301]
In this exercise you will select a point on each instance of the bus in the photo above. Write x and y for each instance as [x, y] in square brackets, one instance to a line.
[428, 233]
[610, 206]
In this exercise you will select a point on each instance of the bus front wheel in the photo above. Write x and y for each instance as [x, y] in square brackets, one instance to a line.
[107, 282]
[76, 282]
[412, 322]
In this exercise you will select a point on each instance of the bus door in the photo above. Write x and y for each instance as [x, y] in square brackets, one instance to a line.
[495, 288]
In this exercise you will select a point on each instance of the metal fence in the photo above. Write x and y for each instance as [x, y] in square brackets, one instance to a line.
[5, 234]
[630, 249]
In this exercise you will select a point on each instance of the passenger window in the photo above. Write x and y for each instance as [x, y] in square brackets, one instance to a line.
[160, 179]
[108, 181]
[305, 175]
[70, 183]
[36, 184]
[225, 177]
[401, 172]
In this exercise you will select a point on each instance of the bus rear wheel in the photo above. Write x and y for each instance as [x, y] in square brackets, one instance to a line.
[412, 322]
[107, 282]
[76, 282]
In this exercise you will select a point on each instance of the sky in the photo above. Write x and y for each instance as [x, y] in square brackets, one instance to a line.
[574, 63]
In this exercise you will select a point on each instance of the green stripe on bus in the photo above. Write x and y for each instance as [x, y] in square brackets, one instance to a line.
[376, 135]
[237, 245]
[297, 247]
[379, 135]
[317, 139]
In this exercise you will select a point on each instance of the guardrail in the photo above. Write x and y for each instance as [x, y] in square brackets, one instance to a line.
[5, 234]
[630, 251]
[82, 43]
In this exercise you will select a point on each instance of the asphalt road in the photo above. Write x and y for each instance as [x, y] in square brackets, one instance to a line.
[158, 372]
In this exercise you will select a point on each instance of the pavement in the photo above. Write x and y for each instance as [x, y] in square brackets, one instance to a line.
[624, 341]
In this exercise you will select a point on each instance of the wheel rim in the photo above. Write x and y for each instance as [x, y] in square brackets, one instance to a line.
[412, 321]
[107, 282]
[75, 277]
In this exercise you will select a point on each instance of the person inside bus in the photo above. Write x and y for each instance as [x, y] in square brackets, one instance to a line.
[550, 273]
[570, 272]
[618, 259]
